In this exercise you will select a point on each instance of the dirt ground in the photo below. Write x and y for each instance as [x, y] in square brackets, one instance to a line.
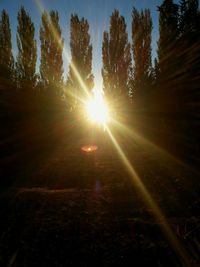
[70, 208]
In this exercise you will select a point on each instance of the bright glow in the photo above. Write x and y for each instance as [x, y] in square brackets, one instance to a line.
[97, 110]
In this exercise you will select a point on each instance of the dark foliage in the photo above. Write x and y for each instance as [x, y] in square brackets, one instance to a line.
[6, 56]
[51, 64]
[80, 80]
[141, 36]
[25, 75]
[116, 59]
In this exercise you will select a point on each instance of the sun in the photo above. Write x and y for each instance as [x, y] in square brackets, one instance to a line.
[97, 110]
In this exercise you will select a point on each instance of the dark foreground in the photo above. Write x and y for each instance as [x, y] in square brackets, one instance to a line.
[62, 207]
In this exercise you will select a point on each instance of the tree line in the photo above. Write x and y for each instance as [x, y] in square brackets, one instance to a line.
[127, 68]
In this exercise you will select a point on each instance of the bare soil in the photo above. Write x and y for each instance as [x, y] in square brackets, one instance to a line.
[61, 207]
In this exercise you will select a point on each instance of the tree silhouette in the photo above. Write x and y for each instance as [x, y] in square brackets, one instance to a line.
[141, 36]
[51, 65]
[189, 38]
[27, 51]
[6, 56]
[189, 29]
[178, 49]
[80, 70]
[116, 58]
[189, 18]
[168, 34]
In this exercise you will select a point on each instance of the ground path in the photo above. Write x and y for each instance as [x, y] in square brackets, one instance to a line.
[76, 209]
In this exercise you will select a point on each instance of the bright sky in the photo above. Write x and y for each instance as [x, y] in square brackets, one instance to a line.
[97, 12]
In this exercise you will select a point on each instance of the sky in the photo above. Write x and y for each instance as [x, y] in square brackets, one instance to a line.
[97, 12]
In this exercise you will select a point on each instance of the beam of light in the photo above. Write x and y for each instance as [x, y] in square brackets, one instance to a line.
[149, 200]
[65, 52]
[151, 203]
[72, 94]
[146, 143]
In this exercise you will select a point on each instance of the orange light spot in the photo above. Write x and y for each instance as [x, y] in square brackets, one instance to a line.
[89, 148]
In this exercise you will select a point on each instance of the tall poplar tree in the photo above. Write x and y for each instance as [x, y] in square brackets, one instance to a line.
[168, 35]
[141, 38]
[116, 58]
[6, 56]
[190, 19]
[189, 39]
[51, 67]
[27, 51]
[80, 77]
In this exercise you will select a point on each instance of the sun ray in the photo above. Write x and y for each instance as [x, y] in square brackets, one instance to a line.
[159, 216]
[151, 146]
[65, 52]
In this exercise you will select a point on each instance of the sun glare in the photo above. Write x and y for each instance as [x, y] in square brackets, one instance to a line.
[97, 110]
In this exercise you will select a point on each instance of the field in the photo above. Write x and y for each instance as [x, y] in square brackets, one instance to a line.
[61, 206]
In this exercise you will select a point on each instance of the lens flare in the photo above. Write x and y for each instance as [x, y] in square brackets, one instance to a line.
[89, 148]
